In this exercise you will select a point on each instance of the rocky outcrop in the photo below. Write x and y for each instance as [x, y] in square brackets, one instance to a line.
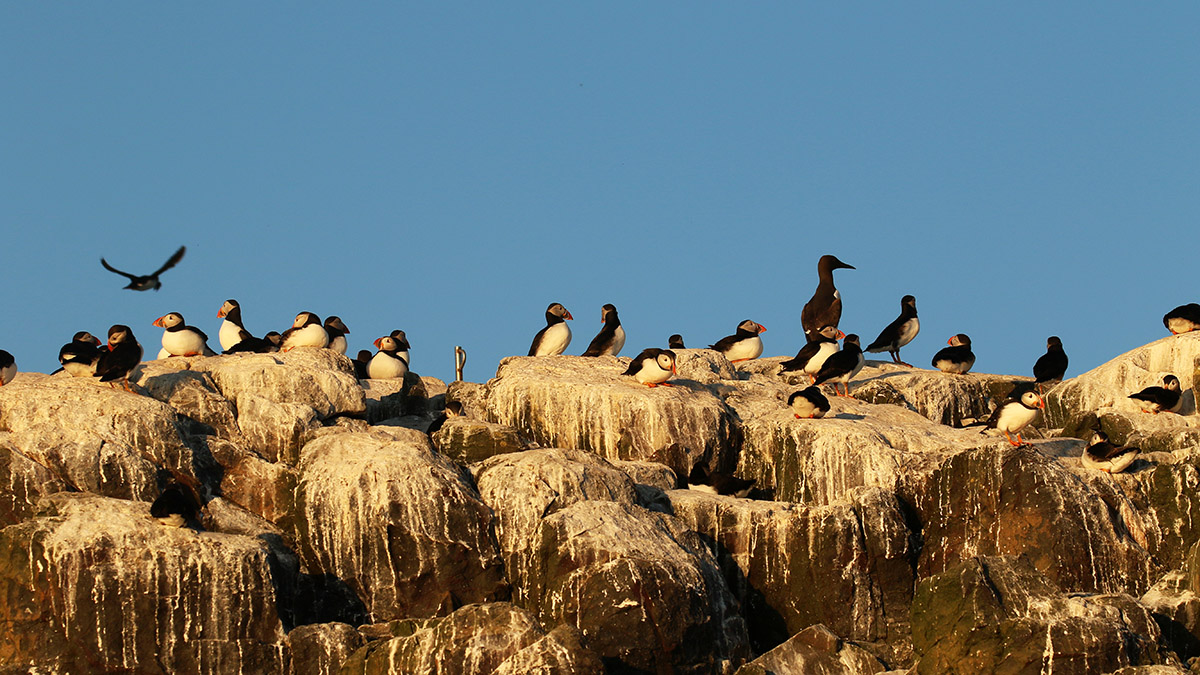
[321, 648]
[467, 440]
[815, 651]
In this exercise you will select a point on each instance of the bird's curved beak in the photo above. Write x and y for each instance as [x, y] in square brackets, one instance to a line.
[1041, 403]
[221, 313]
[159, 322]
[950, 341]
[376, 342]
[762, 328]
[569, 317]
[841, 335]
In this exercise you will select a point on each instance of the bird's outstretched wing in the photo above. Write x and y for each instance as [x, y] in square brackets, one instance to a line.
[172, 262]
[110, 268]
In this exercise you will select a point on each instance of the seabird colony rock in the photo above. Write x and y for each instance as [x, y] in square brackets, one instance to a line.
[324, 513]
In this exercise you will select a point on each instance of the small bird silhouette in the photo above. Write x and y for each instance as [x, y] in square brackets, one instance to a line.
[145, 283]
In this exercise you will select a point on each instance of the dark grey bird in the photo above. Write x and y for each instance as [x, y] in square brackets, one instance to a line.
[825, 307]
[721, 483]
[1051, 366]
[675, 342]
[150, 281]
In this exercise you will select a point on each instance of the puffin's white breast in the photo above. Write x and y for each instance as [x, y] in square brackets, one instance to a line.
[555, 340]
[618, 342]
[313, 335]
[651, 373]
[805, 408]
[908, 331]
[182, 342]
[1015, 417]
[749, 348]
[826, 350]
[384, 366]
[338, 344]
[947, 366]
[230, 334]
[1181, 325]
[8, 373]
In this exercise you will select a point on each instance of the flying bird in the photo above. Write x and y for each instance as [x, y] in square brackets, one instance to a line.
[148, 282]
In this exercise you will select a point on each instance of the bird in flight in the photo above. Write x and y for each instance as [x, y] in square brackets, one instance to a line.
[145, 283]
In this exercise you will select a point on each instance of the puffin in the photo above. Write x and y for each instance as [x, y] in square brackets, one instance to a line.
[611, 337]
[718, 482]
[180, 339]
[1183, 319]
[653, 367]
[252, 345]
[360, 363]
[402, 344]
[137, 283]
[232, 330]
[452, 409]
[1158, 399]
[306, 331]
[1016, 414]
[554, 338]
[1104, 456]
[337, 334]
[809, 403]
[386, 364]
[957, 358]
[79, 356]
[675, 342]
[1052, 365]
[899, 332]
[742, 345]
[123, 354]
[175, 506]
[813, 354]
[843, 365]
[8, 367]
[825, 307]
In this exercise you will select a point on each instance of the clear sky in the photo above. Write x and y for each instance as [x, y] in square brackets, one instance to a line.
[1024, 169]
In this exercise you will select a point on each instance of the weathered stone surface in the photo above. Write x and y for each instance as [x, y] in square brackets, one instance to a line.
[191, 394]
[467, 440]
[644, 591]
[815, 651]
[398, 524]
[1010, 501]
[585, 403]
[653, 474]
[320, 648]
[22, 483]
[1000, 615]
[1177, 610]
[560, 651]
[849, 567]
[386, 399]
[706, 366]
[261, 487]
[276, 431]
[97, 585]
[470, 395]
[318, 378]
[97, 438]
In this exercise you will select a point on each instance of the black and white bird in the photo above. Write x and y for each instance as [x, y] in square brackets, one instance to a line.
[360, 363]
[122, 355]
[402, 345]
[180, 339]
[899, 332]
[675, 342]
[175, 506]
[1166, 398]
[337, 331]
[717, 482]
[611, 337]
[1183, 319]
[1102, 455]
[956, 359]
[843, 365]
[306, 331]
[653, 367]
[825, 307]
[1051, 366]
[809, 403]
[813, 354]
[79, 356]
[150, 281]
[232, 331]
[556, 336]
[743, 345]
[387, 364]
[253, 345]
[452, 409]
[1015, 414]
[8, 367]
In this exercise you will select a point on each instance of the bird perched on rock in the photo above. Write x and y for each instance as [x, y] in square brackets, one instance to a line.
[175, 506]
[899, 332]
[1104, 456]
[743, 345]
[1166, 398]
[718, 482]
[556, 336]
[79, 356]
[253, 345]
[360, 363]
[825, 307]
[180, 339]
[675, 342]
[1051, 366]
[843, 365]
[611, 337]
[452, 409]
[653, 367]
[122, 356]
[809, 403]
[1016, 414]
[306, 331]
[1183, 319]
[137, 283]
[337, 331]
[813, 354]
[402, 345]
[956, 359]
[8, 367]
[232, 330]
[387, 364]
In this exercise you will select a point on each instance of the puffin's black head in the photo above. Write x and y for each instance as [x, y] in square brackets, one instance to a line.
[169, 320]
[273, 337]
[305, 319]
[401, 339]
[909, 301]
[336, 324]
[454, 409]
[1053, 342]
[675, 342]
[960, 340]
[228, 308]
[607, 311]
[119, 333]
[364, 355]
[1171, 382]
[84, 336]
[556, 311]
[852, 339]
[751, 327]
[831, 333]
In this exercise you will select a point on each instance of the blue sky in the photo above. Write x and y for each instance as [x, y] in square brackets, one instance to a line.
[450, 169]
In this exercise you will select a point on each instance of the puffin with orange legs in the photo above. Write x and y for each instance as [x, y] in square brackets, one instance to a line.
[1016, 414]
[843, 365]
[742, 345]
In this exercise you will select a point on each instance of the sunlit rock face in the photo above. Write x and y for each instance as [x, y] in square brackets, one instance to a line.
[816, 650]
[95, 584]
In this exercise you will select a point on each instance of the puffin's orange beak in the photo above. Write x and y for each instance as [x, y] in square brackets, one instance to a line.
[568, 316]
[109, 346]
[841, 335]
[1041, 403]
[762, 328]
[376, 342]
[950, 341]
[158, 322]
[221, 313]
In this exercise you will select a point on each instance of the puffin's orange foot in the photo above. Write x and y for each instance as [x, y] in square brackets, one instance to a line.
[738, 360]
[666, 384]
[651, 385]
